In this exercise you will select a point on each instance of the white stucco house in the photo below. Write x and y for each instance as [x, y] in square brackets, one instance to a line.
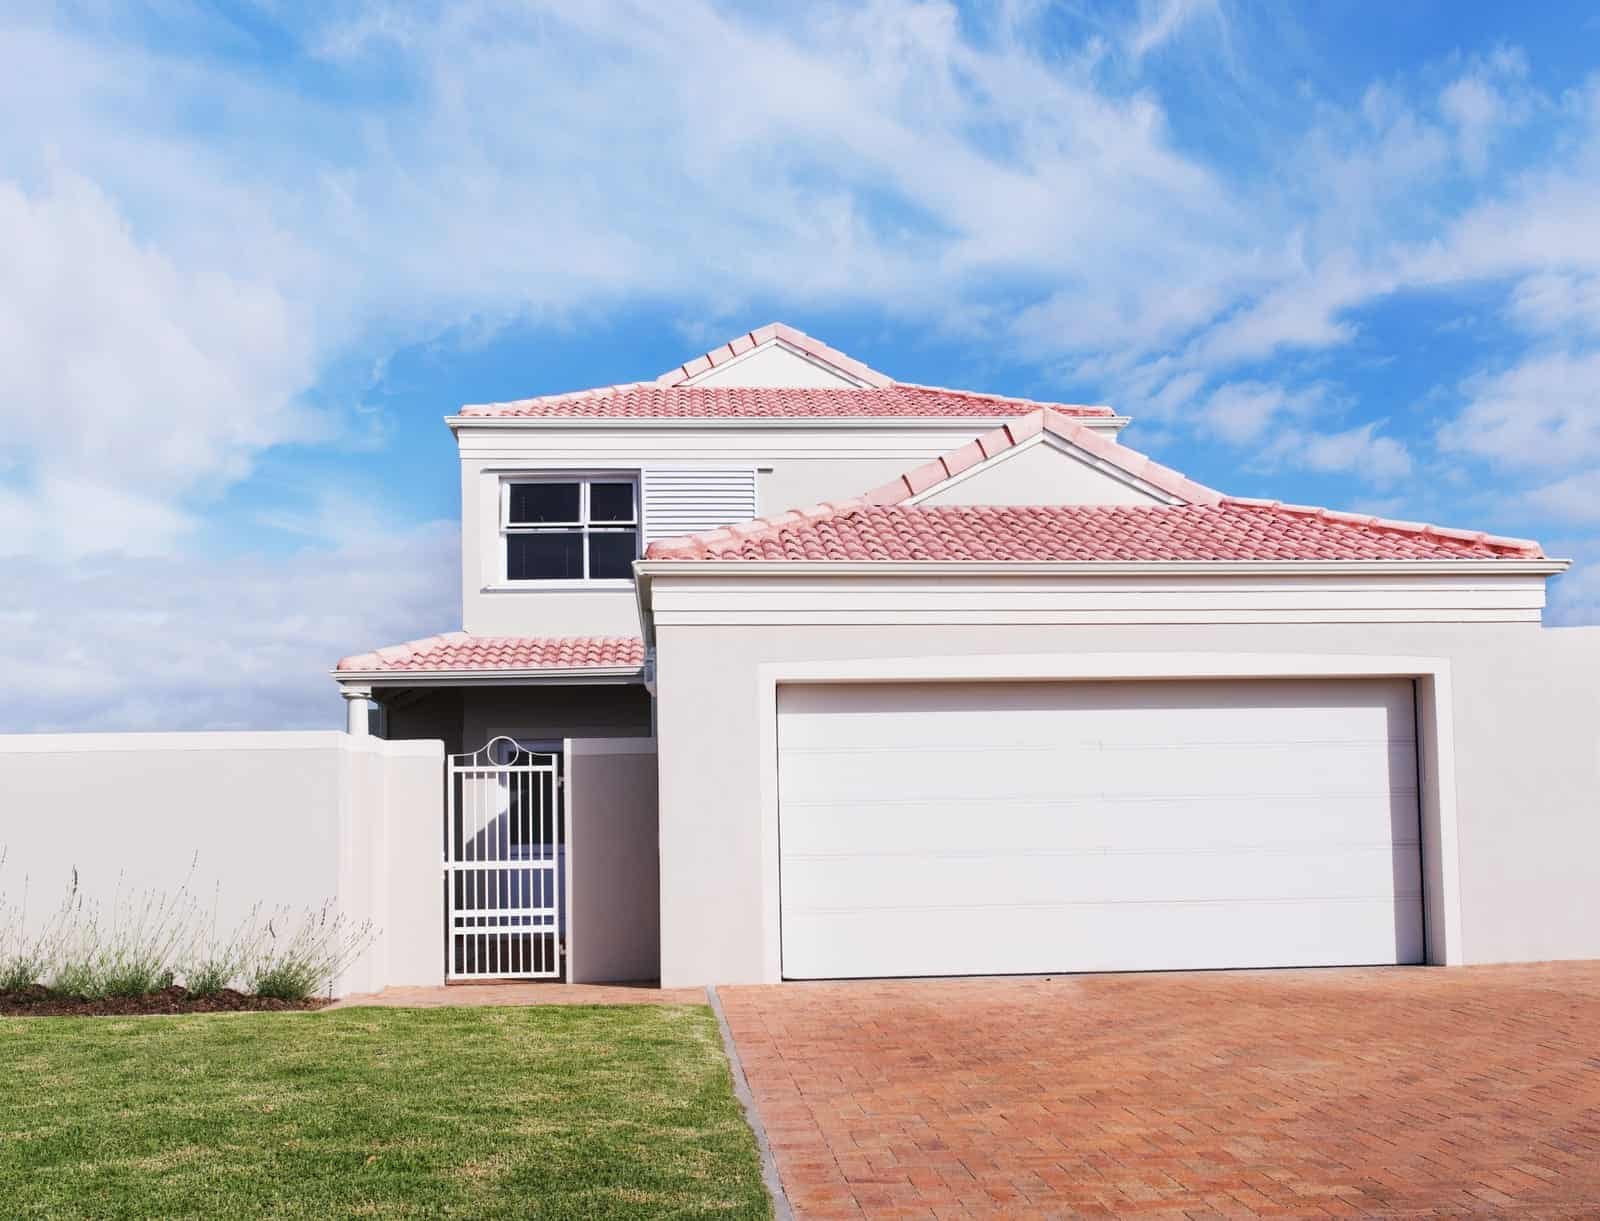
[778, 668]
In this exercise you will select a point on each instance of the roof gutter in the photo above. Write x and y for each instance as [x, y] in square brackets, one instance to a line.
[646, 569]
[549, 676]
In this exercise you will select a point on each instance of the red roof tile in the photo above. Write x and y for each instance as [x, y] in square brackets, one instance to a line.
[1232, 529]
[645, 400]
[460, 651]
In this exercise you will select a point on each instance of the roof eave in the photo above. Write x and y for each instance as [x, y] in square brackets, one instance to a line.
[1508, 566]
[548, 675]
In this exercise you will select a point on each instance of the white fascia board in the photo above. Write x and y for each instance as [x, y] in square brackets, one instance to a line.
[488, 678]
[977, 424]
[1094, 568]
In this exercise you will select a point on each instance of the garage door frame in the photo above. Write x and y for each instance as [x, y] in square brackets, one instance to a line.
[1435, 744]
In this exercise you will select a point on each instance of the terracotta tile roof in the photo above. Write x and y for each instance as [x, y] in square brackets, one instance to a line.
[646, 400]
[798, 340]
[1232, 529]
[1051, 422]
[672, 396]
[460, 651]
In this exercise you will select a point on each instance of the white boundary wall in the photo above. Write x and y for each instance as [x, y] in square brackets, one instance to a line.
[282, 819]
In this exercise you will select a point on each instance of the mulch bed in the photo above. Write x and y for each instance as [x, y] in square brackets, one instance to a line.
[39, 1001]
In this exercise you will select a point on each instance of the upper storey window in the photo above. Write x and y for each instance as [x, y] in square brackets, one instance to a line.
[570, 528]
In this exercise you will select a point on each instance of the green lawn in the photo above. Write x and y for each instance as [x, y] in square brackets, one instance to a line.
[543, 1112]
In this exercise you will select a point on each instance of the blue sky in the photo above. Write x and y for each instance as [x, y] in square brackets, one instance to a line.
[1335, 253]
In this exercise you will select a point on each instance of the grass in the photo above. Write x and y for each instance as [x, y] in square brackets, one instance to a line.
[623, 1111]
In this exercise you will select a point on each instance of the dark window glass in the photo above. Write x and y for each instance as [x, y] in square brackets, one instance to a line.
[611, 502]
[612, 553]
[544, 557]
[542, 502]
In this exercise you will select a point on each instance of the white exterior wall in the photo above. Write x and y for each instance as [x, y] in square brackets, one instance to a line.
[797, 466]
[1040, 474]
[279, 819]
[1523, 712]
[773, 364]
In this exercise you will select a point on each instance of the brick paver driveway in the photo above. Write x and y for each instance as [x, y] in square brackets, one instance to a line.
[1302, 1093]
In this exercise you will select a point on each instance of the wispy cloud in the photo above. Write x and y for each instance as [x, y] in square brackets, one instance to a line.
[1160, 21]
[230, 642]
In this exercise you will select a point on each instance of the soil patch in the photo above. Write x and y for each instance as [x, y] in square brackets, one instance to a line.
[39, 1001]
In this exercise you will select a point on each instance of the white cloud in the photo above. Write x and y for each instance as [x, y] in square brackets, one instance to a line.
[1541, 414]
[1557, 303]
[1240, 412]
[1360, 450]
[129, 384]
[243, 642]
[1160, 21]
[1573, 499]
[1477, 110]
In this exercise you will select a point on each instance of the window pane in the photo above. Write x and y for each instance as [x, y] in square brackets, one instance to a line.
[557, 556]
[612, 553]
[542, 502]
[611, 502]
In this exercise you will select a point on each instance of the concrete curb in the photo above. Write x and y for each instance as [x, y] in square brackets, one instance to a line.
[781, 1210]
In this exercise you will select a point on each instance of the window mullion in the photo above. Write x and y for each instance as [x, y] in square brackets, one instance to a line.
[583, 525]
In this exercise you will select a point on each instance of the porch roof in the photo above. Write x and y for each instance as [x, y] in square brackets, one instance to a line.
[461, 655]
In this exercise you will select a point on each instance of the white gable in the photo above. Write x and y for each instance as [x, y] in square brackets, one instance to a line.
[775, 364]
[1043, 470]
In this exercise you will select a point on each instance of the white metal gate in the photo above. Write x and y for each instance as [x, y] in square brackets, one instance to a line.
[504, 843]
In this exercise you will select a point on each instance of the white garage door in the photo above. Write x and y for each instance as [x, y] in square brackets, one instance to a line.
[992, 828]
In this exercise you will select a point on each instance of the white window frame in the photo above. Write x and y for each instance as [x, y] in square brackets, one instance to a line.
[583, 526]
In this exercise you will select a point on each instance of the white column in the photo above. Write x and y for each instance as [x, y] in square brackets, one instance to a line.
[356, 705]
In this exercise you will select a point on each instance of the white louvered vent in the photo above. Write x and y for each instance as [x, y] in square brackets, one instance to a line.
[688, 499]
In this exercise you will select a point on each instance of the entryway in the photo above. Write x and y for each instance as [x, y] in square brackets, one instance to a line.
[504, 864]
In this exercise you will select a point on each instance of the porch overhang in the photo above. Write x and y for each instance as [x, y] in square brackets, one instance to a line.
[378, 680]
[460, 659]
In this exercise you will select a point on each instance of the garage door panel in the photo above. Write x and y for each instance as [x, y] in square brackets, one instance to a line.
[1281, 768]
[1154, 937]
[879, 882]
[1038, 827]
[1134, 713]
[1094, 823]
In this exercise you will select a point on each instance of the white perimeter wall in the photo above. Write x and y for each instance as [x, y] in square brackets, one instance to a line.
[1525, 714]
[279, 819]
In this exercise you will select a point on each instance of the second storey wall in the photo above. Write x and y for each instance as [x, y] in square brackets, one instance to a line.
[796, 466]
